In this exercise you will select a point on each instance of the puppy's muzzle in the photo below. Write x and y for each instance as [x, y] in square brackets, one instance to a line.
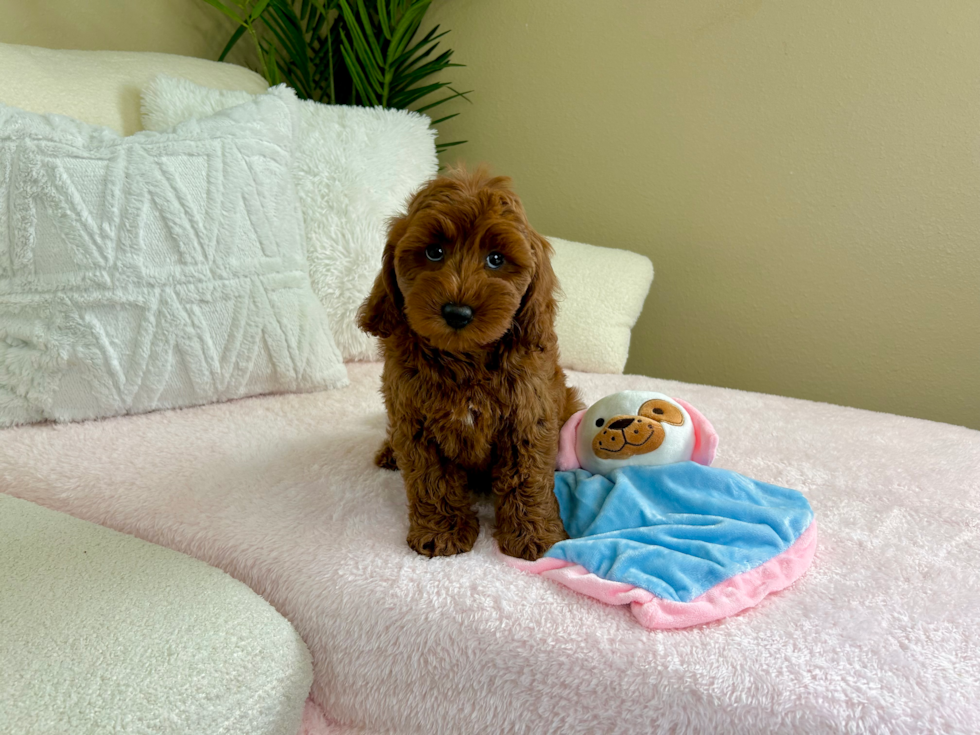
[457, 316]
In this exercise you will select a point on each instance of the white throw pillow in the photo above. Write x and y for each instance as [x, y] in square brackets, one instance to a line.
[603, 294]
[155, 271]
[355, 168]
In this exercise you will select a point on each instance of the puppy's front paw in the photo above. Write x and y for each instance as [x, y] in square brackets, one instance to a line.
[444, 543]
[530, 542]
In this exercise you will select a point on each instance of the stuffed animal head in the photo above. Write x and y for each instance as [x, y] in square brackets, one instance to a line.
[635, 428]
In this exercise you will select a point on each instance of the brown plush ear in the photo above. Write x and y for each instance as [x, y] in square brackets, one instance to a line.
[381, 312]
[663, 411]
[536, 317]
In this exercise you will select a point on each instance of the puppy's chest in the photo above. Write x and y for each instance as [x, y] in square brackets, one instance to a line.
[465, 422]
[469, 412]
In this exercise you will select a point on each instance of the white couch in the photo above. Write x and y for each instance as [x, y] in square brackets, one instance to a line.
[102, 632]
[881, 635]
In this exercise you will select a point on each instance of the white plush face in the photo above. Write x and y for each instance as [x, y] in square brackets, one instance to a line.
[634, 428]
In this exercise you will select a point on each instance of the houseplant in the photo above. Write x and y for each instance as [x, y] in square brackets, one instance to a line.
[347, 52]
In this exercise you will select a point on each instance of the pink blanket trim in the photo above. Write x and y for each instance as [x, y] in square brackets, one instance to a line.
[732, 596]
[567, 459]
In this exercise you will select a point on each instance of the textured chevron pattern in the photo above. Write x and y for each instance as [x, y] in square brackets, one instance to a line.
[156, 271]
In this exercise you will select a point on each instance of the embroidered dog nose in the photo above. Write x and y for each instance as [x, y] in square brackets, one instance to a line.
[457, 316]
[620, 424]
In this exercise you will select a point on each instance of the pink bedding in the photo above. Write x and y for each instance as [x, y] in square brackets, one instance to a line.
[881, 635]
[731, 597]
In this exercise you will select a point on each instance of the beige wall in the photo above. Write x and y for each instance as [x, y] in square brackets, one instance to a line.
[804, 175]
[188, 27]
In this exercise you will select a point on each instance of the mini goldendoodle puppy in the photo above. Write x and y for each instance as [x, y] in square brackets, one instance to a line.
[464, 306]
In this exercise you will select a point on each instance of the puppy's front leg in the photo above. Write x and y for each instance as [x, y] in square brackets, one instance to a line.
[441, 518]
[528, 517]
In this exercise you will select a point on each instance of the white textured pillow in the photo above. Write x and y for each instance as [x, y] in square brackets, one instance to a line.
[355, 168]
[155, 271]
[604, 290]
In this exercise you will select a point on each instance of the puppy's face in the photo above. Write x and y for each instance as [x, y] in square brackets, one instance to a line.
[464, 259]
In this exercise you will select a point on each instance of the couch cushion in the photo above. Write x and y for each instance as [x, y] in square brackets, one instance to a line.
[603, 290]
[104, 633]
[102, 87]
[882, 635]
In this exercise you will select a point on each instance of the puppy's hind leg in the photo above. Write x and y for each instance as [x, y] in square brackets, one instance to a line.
[385, 457]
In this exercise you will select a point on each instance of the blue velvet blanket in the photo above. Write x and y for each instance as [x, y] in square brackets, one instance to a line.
[675, 530]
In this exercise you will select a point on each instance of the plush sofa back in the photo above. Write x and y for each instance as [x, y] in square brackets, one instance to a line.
[603, 288]
[103, 87]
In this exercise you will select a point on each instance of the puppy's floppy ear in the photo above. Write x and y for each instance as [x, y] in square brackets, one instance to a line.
[381, 312]
[536, 317]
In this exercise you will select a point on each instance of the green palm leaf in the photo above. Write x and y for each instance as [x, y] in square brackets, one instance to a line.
[362, 52]
[224, 9]
[232, 41]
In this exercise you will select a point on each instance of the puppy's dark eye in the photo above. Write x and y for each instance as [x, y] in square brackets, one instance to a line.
[495, 260]
[600, 422]
[434, 253]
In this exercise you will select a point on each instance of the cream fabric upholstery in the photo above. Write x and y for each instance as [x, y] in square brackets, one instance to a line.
[103, 87]
[104, 633]
[604, 290]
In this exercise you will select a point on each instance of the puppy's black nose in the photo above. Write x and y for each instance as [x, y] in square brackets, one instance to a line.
[457, 316]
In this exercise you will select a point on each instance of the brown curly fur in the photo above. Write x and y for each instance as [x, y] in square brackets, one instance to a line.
[478, 408]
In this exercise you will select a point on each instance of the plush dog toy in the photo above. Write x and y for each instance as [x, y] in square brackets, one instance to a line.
[635, 428]
[652, 525]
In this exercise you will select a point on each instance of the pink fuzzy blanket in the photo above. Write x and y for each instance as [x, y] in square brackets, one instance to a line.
[881, 635]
